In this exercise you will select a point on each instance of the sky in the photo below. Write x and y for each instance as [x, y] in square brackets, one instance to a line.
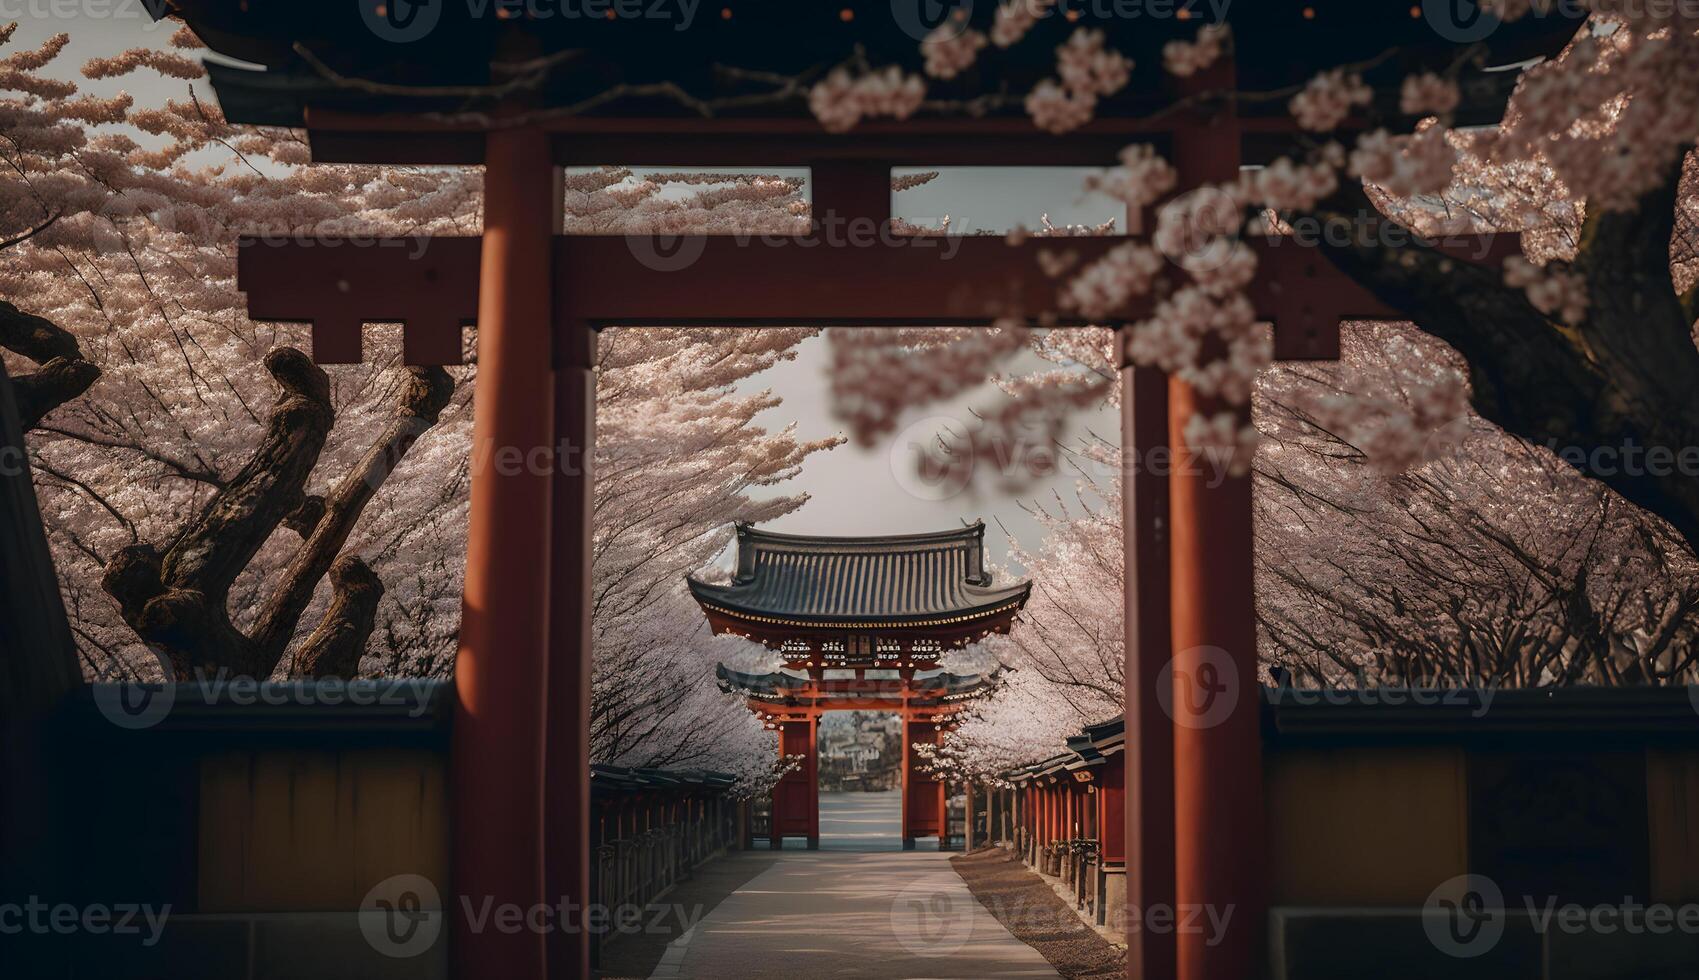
[875, 490]
[853, 489]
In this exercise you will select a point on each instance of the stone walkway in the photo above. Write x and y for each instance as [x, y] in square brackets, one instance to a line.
[860, 907]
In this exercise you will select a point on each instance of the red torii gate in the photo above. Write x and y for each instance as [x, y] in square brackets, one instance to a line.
[882, 609]
[520, 775]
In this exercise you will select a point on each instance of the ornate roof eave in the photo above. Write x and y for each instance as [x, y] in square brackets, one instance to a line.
[331, 53]
[1011, 603]
[779, 688]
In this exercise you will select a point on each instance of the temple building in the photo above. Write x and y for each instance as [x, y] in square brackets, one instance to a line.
[859, 623]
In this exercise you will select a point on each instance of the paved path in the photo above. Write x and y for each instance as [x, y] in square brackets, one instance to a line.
[860, 907]
[863, 822]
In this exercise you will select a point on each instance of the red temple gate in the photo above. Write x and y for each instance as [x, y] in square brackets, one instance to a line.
[881, 610]
[1185, 590]
[521, 730]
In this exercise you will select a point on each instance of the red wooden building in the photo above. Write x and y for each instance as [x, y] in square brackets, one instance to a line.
[1066, 816]
[860, 624]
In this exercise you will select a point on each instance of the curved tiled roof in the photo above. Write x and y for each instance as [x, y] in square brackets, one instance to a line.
[914, 579]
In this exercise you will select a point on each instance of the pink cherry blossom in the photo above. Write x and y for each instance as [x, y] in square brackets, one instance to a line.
[1405, 165]
[1087, 66]
[1102, 289]
[1016, 17]
[1427, 94]
[1286, 186]
[1141, 179]
[950, 49]
[1552, 289]
[1186, 58]
[1328, 99]
[1054, 109]
[842, 100]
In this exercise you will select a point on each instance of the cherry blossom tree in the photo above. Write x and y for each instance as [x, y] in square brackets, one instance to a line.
[1483, 561]
[1589, 346]
[216, 502]
[204, 492]
[1488, 562]
[1061, 667]
[1378, 561]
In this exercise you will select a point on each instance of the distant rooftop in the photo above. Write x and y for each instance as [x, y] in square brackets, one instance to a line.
[861, 582]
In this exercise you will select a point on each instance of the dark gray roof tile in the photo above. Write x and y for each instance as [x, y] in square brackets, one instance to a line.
[892, 578]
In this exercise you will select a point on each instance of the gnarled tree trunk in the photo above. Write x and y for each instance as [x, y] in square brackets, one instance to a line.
[176, 598]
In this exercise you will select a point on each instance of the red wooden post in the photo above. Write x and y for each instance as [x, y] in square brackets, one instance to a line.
[568, 752]
[501, 674]
[1044, 817]
[1112, 820]
[1218, 844]
[924, 804]
[775, 838]
[1149, 762]
[908, 834]
[1026, 821]
[1035, 817]
[813, 779]
[796, 801]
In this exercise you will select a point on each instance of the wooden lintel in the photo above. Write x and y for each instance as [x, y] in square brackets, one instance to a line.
[341, 137]
[430, 285]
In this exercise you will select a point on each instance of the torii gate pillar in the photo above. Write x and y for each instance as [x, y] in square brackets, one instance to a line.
[925, 808]
[1218, 798]
[527, 554]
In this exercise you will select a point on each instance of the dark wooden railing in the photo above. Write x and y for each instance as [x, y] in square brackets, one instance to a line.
[653, 828]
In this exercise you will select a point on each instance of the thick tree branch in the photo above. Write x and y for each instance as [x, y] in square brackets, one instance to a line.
[421, 401]
[335, 647]
[35, 337]
[177, 600]
[1620, 383]
[64, 373]
[220, 542]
